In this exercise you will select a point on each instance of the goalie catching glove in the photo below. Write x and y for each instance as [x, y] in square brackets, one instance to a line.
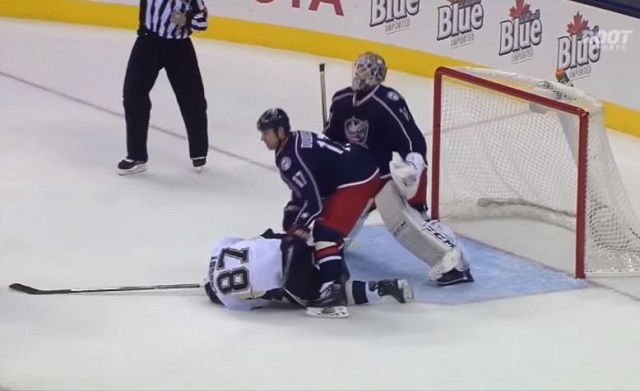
[406, 173]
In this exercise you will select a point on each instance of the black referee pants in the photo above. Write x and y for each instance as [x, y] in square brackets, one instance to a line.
[149, 55]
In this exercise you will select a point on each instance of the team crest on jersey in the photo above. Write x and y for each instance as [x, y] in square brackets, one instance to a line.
[392, 95]
[356, 131]
[285, 163]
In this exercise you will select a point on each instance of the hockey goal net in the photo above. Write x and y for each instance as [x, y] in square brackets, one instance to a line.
[507, 145]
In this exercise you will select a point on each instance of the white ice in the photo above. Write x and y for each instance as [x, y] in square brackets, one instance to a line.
[67, 220]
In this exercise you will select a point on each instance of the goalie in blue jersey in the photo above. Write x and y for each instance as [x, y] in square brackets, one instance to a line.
[377, 117]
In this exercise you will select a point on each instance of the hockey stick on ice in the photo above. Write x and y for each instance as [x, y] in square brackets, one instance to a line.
[34, 291]
[323, 96]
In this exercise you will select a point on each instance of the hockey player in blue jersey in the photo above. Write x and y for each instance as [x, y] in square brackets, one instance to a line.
[332, 185]
[378, 118]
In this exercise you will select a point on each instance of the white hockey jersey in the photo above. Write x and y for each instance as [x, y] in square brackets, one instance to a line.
[242, 270]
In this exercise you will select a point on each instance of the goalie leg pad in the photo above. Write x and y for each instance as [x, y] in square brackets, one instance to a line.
[431, 241]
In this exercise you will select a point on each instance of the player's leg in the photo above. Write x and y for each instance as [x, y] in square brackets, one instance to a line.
[430, 240]
[453, 269]
[184, 75]
[341, 211]
[142, 71]
[348, 240]
[361, 292]
[371, 206]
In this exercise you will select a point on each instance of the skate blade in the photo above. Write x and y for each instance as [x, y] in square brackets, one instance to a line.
[466, 278]
[135, 170]
[328, 312]
[199, 170]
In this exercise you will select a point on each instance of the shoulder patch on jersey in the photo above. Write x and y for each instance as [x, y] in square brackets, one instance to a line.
[394, 96]
[285, 163]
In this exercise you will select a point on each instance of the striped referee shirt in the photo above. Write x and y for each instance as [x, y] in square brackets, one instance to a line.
[155, 17]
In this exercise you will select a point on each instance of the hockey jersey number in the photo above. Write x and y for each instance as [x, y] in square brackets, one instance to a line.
[234, 280]
[333, 146]
[242, 270]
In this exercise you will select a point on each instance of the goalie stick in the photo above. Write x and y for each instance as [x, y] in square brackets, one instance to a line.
[35, 291]
[323, 96]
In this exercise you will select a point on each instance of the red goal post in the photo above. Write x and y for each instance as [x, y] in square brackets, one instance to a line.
[511, 145]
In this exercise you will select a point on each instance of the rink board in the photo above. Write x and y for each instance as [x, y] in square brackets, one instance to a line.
[497, 274]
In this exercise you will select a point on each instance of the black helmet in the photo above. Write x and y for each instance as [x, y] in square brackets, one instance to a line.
[273, 119]
[211, 293]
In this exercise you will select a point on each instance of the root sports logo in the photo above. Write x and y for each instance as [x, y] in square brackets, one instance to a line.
[395, 15]
[579, 49]
[458, 21]
[520, 33]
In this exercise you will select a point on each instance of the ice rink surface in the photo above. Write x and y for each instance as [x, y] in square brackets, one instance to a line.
[67, 220]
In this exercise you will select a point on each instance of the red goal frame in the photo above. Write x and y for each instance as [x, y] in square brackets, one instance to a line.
[583, 139]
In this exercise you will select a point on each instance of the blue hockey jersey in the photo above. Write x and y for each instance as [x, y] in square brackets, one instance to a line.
[314, 166]
[378, 120]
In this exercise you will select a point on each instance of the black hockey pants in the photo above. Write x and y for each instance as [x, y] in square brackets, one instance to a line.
[149, 55]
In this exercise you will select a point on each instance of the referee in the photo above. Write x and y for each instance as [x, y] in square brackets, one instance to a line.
[164, 42]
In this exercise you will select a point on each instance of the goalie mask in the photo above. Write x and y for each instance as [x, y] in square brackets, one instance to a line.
[369, 70]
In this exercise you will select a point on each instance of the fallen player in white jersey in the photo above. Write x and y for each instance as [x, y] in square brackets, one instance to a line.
[250, 273]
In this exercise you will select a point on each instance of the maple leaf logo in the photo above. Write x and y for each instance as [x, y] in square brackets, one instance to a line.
[578, 25]
[519, 10]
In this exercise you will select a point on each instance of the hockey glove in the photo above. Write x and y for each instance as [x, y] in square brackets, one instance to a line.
[301, 233]
[291, 211]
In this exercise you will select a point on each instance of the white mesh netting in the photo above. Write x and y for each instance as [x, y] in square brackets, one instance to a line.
[502, 156]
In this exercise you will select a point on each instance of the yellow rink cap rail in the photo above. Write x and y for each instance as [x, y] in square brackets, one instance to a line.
[327, 45]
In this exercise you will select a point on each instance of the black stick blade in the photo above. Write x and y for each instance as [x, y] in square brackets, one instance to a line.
[25, 289]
